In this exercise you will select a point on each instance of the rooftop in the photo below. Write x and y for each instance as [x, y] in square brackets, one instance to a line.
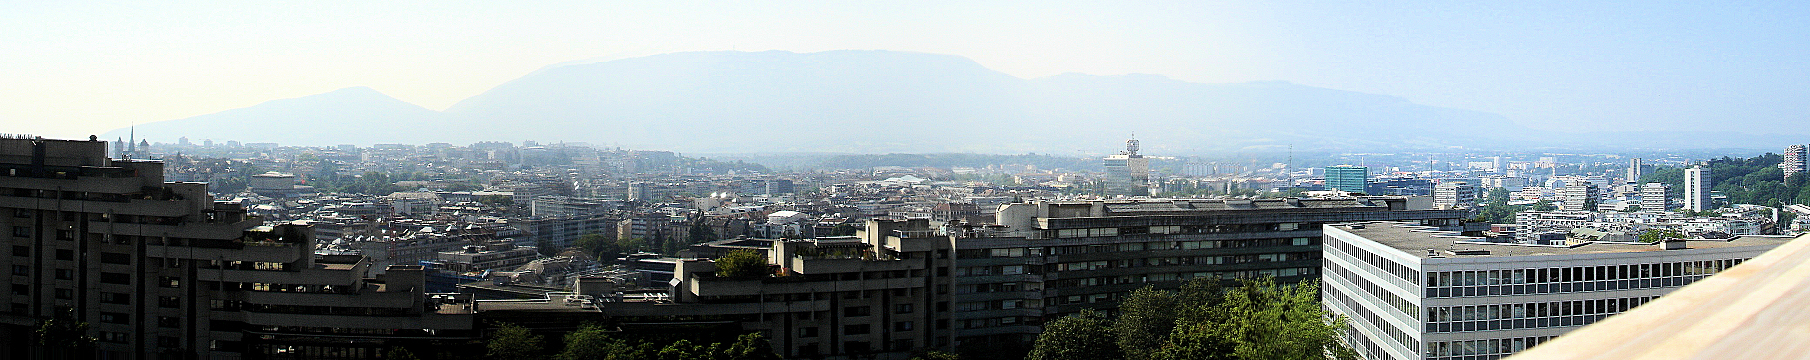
[1416, 240]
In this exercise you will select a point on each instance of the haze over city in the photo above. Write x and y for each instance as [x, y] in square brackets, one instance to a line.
[81, 68]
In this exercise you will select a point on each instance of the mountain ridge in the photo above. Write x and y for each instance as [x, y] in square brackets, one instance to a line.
[861, 101]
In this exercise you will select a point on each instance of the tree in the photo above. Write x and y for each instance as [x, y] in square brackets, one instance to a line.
[1146, 318]
[592, 342]
[1259, 320]
[1084, 336]
[1654, 235]
[400, 353]
[65, 338]
[741, 263]
[514, 342]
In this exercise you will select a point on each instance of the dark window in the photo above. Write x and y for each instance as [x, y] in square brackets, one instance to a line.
[857, 329]
[116, 278]
[807, 332]
[21, 270]
[21, 289]
[170, 342]
[65, 294]
[116, 258]
[901, 326]
[24, 213]
[856, 311]
[169, 282]
[114, 318]
[169, 321]
[903, 309]
[65, 254]
[116, 298]
[19, 250]
[65, 274]
[169, 302]
[65, 234]
[21, 231]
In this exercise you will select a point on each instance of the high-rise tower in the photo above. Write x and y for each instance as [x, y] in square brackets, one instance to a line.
[1696, 188]
[1127, 173]
[1795, 160]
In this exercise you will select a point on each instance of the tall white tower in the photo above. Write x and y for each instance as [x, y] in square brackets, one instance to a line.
[1696, 188]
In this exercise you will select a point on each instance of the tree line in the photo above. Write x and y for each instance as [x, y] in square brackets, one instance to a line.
[1259, 319]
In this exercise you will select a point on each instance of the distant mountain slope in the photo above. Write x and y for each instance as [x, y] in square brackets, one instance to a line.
[356, 115]
[858, 102]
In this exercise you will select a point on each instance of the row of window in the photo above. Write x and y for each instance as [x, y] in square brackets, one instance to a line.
[1178, 245]
[1578, 273]
[1172, 229]
[1183, 276]
[1184, 260]
[1405, 308]
[1482, 348]
[1403, 272]
[1364, 315]
[1527, 315]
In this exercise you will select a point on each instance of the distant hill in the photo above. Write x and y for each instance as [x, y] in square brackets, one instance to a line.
[865, 102]
[358, 115]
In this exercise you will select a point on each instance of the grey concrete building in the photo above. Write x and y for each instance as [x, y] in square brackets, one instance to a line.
[160, 270]
[1414, 292]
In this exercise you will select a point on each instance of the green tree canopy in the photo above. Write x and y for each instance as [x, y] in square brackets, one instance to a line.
[514, 342]
[1084, 336]
[741, 263]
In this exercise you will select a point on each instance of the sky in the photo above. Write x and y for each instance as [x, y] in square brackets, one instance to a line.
[73, 68]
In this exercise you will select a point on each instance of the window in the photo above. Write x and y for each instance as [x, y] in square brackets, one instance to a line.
[901, 326]
[114, 318]
[169, 302]
[169, 282]
[807, 332]
[853, 311]
[65, 294]
[857, 329]
[21, 270]
[19, 250]
[23, 213]
[902, 309]
[21, 231]
[21, 289]
[65, 274]
[169, 322]
[116, 298]
[170, 342]
[65, 234]
[116, 258]
[116, 278]
[65, 254]
[115, 337]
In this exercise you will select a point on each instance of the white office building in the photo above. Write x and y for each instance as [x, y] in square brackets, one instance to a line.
[1653, 197]
[1415, 293]
[1696, 188]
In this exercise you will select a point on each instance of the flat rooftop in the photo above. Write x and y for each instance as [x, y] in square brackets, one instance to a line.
[1415, 240]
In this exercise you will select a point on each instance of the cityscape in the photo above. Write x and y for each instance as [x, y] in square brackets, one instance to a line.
[904, 181]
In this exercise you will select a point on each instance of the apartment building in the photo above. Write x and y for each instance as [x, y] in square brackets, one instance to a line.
[1049, 259]
[161, 270]
[1414, 292]
[882, 294]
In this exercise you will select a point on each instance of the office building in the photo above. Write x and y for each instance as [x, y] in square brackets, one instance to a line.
[1415, 293]
[161, 270]
[1795, 160]
[1347, 178]
[1049, 259]
[1653, 197]
[1696, 188]
[882, 294]
[1454, 195]
[1634, 171]
[1127, 173]
[1579, 196]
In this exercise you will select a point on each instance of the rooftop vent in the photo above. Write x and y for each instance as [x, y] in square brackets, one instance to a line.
[1434, 254]
[1357, 226]
[1468, 252]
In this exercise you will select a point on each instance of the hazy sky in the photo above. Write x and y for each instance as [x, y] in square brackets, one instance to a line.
[72, 68]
